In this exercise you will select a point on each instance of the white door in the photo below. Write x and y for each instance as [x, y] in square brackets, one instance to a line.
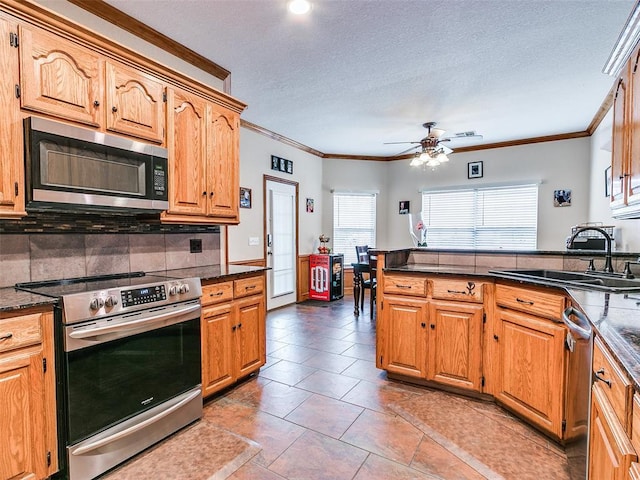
[280, 215]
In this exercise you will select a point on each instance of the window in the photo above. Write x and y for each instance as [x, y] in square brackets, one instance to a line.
[354, 223]
[482, 218]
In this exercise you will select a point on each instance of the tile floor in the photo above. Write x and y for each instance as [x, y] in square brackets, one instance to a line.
[320, 409]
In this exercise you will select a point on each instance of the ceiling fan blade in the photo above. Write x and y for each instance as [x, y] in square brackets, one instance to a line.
[461, 137]
[397, 143]
[446, 150]
[407, 150]
[436, 133]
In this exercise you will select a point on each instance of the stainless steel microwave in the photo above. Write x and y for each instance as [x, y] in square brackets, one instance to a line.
[74, 168]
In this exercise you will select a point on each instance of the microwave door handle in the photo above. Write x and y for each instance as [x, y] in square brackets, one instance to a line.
[135, 324]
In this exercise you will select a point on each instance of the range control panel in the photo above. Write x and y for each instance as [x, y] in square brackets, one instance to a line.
[140, 296]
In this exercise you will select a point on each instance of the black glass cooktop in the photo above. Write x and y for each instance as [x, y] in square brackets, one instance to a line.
[59, 288]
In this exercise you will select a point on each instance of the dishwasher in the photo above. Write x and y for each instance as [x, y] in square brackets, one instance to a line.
[579, 343]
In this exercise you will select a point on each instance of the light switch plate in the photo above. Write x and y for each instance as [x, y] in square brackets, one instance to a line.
[254, 241]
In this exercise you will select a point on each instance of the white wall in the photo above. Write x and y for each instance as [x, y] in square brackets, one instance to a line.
[255, 162]
[557, 165]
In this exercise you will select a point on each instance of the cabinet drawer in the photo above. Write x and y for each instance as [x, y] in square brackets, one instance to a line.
[20, 332]
[216, 293]
[455, 289]
[615, 385]
[248, 286]
[405, 285]
[535, 302]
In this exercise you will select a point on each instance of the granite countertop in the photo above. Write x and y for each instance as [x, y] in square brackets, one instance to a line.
[14, 300]
[441, 269]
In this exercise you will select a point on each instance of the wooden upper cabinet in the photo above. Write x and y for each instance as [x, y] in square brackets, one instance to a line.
[60, 78]
[134, 103]
[223, 176]
[11, 154]
[186, 142]
[632, 170]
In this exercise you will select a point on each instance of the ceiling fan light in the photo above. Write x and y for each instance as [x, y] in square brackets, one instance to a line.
[424, 156]
[415, 161]
[299, 7]
[442, 158]
[433, 163]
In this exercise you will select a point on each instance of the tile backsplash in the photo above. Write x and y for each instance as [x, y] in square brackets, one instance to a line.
[36, 257]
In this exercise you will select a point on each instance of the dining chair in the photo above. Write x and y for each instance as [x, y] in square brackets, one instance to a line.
[362, 253]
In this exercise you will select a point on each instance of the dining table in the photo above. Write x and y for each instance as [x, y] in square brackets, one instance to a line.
[359, 268]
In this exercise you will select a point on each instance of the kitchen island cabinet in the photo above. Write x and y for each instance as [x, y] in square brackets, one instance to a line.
[28, 438]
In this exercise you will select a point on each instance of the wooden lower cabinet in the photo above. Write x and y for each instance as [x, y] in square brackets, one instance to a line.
[610, 451]
[28, 440]
[531, 368]
[233, 332]
[405, 321]
[454, 351]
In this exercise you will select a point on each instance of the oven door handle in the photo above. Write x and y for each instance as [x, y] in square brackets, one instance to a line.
[128, 431]
[135, 324]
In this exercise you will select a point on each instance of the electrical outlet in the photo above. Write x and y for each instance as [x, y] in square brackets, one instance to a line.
[195, 245]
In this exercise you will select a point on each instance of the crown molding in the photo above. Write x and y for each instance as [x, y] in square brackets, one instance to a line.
[280, 138]
[111, 14]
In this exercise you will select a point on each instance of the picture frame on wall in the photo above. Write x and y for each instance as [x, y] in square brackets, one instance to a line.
[474, 170]
[245, 197]
[403, 207]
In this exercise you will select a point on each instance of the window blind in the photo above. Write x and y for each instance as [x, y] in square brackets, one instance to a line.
[483, 218]
[354, 223]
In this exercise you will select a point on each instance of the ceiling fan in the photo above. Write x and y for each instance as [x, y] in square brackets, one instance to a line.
[432, 153]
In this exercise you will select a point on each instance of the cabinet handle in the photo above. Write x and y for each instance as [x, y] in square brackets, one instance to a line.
[250, 287]
[15, 189]
[402, 286]
[6, 336]
[423, 325]
[217, 294]
[114, 109]
[459, 292]
[526, 302]
[96, 103]
[599, 376]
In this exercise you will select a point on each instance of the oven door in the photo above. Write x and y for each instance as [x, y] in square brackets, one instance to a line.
[119, 367]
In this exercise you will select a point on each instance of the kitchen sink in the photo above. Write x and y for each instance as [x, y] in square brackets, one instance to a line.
[589, 280]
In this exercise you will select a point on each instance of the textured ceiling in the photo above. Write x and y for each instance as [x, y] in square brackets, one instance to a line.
[357, 73]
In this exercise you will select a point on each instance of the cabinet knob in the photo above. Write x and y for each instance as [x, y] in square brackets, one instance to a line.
[495, 337]
[423, 325]
[204, 194]
[433, 327]
[96, 103]
[211, 194]
[114, 109]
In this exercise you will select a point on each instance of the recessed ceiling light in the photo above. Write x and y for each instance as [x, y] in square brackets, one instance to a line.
[299, 7]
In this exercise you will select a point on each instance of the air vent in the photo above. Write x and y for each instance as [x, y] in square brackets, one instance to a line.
[470, 133]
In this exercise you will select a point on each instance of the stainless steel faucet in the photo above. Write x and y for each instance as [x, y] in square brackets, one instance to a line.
[608, 266]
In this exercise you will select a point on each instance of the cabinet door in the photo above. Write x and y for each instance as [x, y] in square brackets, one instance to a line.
[455, 344]
[22, 439]
[223, 179]
[60, 78]
[610, 450]
[633, 165]
[250, 351]
[135, 103]
[217, 345]
[186, 142]
[619, 147]
[532, 359]
[11, 153]
[406, 326]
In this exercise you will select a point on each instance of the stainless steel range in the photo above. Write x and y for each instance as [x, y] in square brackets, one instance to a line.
[128, 365]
